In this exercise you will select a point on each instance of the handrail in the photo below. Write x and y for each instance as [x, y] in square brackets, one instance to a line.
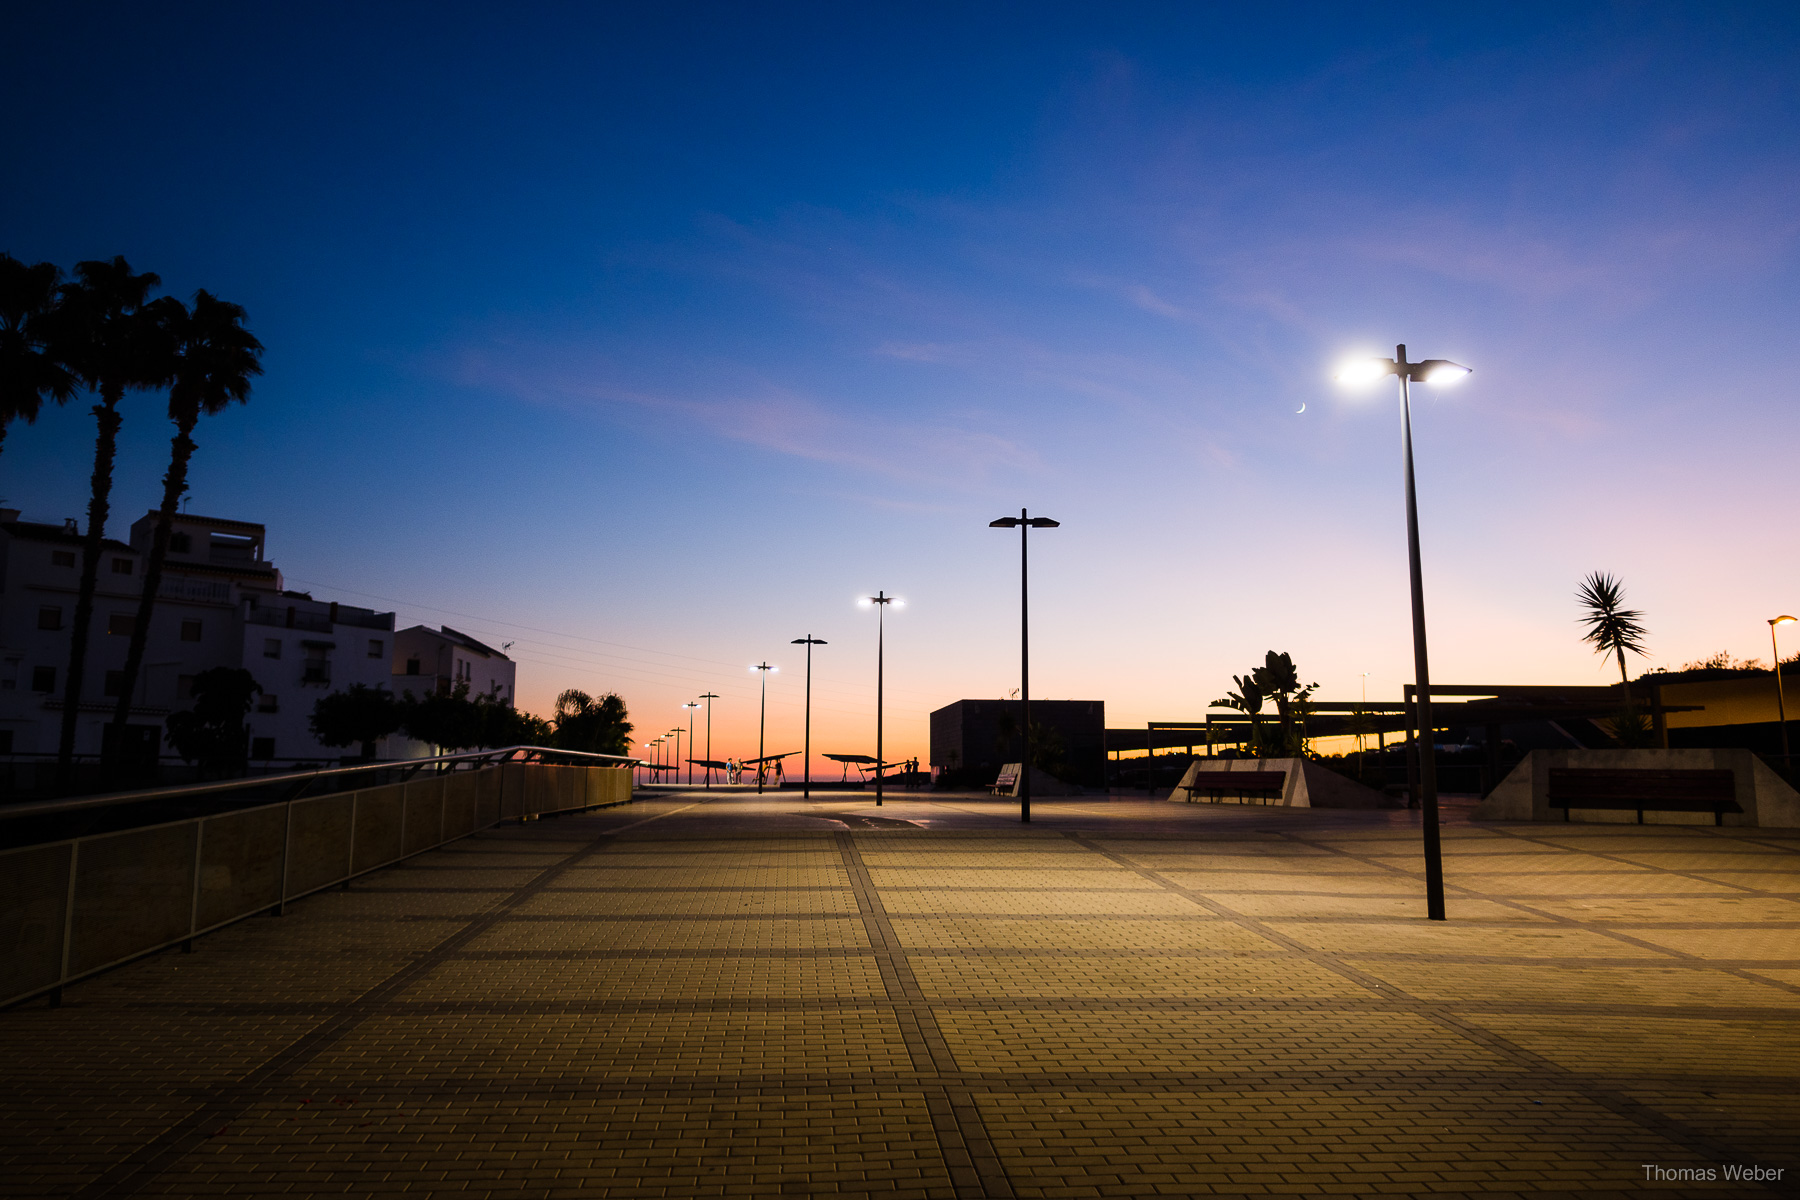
[32, 808]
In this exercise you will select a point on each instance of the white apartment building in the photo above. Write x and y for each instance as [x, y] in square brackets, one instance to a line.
[220, 604]
[427, 660]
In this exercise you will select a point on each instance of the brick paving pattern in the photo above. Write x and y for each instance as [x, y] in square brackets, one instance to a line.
[726, 995]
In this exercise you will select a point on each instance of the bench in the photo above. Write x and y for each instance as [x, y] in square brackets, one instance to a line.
[1264, 785]
[1644, 791]
[1007, 782]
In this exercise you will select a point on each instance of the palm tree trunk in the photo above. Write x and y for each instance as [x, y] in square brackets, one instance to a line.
[1624, 680]
[181, 449]
[106, 415]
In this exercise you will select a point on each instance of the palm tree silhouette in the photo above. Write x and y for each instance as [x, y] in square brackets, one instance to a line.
[1612, 628]
[29, 371]
[215, 360]
[110, 335]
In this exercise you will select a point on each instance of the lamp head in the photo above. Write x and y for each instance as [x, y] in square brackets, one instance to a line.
[1440, 372]
[1004, 523]
[1783, 620]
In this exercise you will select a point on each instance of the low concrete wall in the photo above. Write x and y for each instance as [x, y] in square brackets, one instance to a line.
[1524, 795]
[69, 909]
[1308, 785]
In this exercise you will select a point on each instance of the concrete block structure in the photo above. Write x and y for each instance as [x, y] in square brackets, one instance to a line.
[1524, 795]
[974, 737]
[1307, 785]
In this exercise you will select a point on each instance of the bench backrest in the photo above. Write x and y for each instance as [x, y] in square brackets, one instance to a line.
[1250, 781]
[1007, 776]
[1585, 783]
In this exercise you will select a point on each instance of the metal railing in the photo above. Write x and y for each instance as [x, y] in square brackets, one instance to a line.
[73, 908]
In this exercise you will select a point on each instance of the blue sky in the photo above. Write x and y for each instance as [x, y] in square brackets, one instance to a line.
[649, 337]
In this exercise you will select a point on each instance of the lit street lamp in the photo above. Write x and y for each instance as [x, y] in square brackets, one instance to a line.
[880, 600]
[691, 705]
[1438, 371]
[1780, 701]
[709, 698]
[675, 760]
[1025, 524]
[809, 641]
[762, 722]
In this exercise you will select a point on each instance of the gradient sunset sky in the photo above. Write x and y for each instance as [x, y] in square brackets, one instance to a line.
[649, 337]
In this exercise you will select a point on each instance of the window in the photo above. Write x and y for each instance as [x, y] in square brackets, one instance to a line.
[268, 703]
[115, 683]
[121, 566]
[271, 647]
[317, 668]
[43, 679]
[262, 747]
[62, 558]
[190, 631]
[9, 675]
[50, 617]
[119, 624]
[377, 648]
[412, 666]
[181, 543]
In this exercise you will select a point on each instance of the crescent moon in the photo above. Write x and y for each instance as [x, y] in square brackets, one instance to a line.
[1301, 409]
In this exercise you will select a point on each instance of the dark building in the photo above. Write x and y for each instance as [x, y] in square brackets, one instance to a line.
[974, 738]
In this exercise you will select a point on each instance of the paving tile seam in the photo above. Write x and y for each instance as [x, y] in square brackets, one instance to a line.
[1243, 1004]
[1611, 1099]
[1615, 931]
[962, 1135]
[1310, 1083]
[140, 1168]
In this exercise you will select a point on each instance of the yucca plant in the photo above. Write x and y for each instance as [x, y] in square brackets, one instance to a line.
[1611, 627]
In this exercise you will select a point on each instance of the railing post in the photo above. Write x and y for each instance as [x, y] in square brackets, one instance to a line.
[62, 974]
[350, 857]
[187, 946]
[287, 855]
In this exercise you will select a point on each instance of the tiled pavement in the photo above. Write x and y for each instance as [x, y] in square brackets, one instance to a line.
[733, 996]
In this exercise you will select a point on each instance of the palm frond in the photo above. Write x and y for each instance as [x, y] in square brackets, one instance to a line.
[1611, 627]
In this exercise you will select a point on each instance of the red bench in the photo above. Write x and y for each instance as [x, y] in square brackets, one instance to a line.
[1009, 778]
[1644, 791]
[1264, 785]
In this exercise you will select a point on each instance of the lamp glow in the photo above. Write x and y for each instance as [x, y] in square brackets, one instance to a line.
[1784, 620]
[1366, 370]
[1441, 372]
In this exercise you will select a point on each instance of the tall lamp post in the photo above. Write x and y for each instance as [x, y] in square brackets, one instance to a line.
[1780, 701]
[1438, 371]
[709, 698]
[675, 761]
[809, 641]
[691, 705]
[880, 600]
[1025, 523]
[762, 722]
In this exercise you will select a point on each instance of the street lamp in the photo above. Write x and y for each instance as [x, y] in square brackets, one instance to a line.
[1438, 371]
[880, 601]
[691, 705]
[1780, 702]
[709, 698]
[1025, 523]
[676, 760]
[762, 722]
[809, 641]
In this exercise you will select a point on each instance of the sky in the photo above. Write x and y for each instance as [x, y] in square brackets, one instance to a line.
[648, 338]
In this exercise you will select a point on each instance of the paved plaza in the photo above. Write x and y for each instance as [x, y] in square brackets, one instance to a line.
[725, 994]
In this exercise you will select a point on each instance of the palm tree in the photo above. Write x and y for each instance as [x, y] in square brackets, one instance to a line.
[29, 371]
[111, 336]
[215, 359]
[1612, 628]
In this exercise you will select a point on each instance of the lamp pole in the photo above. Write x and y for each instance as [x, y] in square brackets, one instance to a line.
[1025, 523]
[1780, 701]
[809, 641]
[1440, 371]
[762, 723]
[676, 761]
[880, 600]
[691, 705]
[709, 698]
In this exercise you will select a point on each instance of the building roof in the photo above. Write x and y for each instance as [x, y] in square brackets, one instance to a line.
[471, 643]
[38, 531]
[216, 522]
